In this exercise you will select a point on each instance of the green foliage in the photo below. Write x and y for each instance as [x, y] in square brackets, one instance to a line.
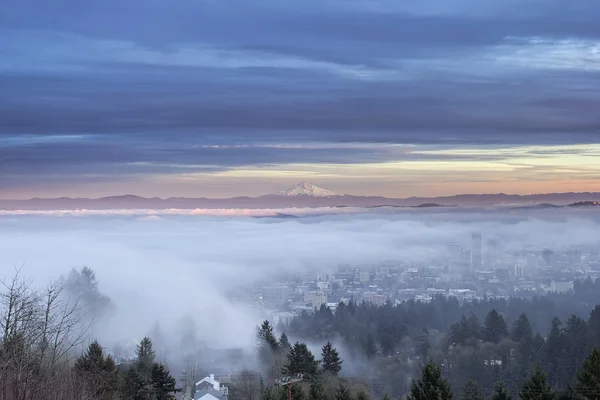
[317, 389]
[145, 356]
[500, 392]
[97, 371]
[431, 386]
[471, 391]
[362, 395]
[370, 347]
[331, 359]
[343, 393]
[163, 384]
[284, 343]
[494, 327]
[300, 361]
[588, 379]
[536, 387]
[268, 346]
[134, 386]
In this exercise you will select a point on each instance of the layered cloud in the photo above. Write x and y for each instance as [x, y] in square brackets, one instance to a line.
[111, 91]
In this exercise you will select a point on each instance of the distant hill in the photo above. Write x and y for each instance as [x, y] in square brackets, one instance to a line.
[300, 196]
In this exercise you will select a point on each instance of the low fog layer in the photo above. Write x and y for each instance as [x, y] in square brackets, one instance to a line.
[174, 266]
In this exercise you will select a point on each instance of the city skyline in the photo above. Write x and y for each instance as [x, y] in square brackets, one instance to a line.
[224, 99]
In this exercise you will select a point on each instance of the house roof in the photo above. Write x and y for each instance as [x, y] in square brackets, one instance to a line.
[209, 394]
[210, 380]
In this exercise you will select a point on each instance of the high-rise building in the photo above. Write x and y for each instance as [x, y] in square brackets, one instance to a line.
[476, 252]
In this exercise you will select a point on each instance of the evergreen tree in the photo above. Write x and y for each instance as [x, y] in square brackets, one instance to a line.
[500, 392]
[594, 327]
[317, 390]
[423, 345]
[522, 335]
[471, 391]
[300, 361]
[362, 395]
[331, 359]
[145, 356]
[552, 350]
[536, 387]
[343, 393]
[588, 379]
[98, 372]
[431, 386]
[163, 384]
[269, 394]
[370, 347]
[267, 343]
[284, 343]
[494, 327]
[386, 397]
[134, 386]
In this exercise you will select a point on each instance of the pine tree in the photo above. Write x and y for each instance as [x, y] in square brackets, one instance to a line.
[163, 384]
[370, 346]
[343, 393]
[134, 386]
[267, 343]
[471, 391]
[386, 397]
[284, 343]
[423, 344]
[300, 361]
[494, 327]
[431, 386]
[331, 359]
[500, 392]
[362, 395]
[588, 379]
[536, 387]
[98, 372]
[317, 390]
[145, 356]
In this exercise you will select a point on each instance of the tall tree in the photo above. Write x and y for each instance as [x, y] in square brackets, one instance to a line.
[343, 393]
[494, 327]
[588, 379]
[431, 386]
[300, 361]
[99, 373]
[471, 391]
[145, 356]
[362, 395]
[163, 384]
[284, 343]
[536, 387]
[317, 390]
[500, 392]
[522, 335]
[331, 359]
[370, 347]
[267, 343]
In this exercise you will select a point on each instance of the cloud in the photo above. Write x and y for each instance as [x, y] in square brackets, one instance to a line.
[130, 87]
[164, 269]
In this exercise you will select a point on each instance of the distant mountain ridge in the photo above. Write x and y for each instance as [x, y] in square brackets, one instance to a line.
[302, 195]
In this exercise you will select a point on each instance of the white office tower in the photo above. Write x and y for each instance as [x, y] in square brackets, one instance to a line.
[476, 252]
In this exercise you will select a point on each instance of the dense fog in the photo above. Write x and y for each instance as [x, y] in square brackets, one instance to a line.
[162, 269]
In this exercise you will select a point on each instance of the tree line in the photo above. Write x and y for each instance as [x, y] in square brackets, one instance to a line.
[42, 333]
[488, 341]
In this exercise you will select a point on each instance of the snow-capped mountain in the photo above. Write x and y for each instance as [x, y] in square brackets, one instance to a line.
[307, 189]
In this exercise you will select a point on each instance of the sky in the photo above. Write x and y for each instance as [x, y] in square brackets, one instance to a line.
[222, 98]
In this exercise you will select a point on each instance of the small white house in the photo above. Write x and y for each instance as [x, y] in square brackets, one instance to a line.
[210, 389]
